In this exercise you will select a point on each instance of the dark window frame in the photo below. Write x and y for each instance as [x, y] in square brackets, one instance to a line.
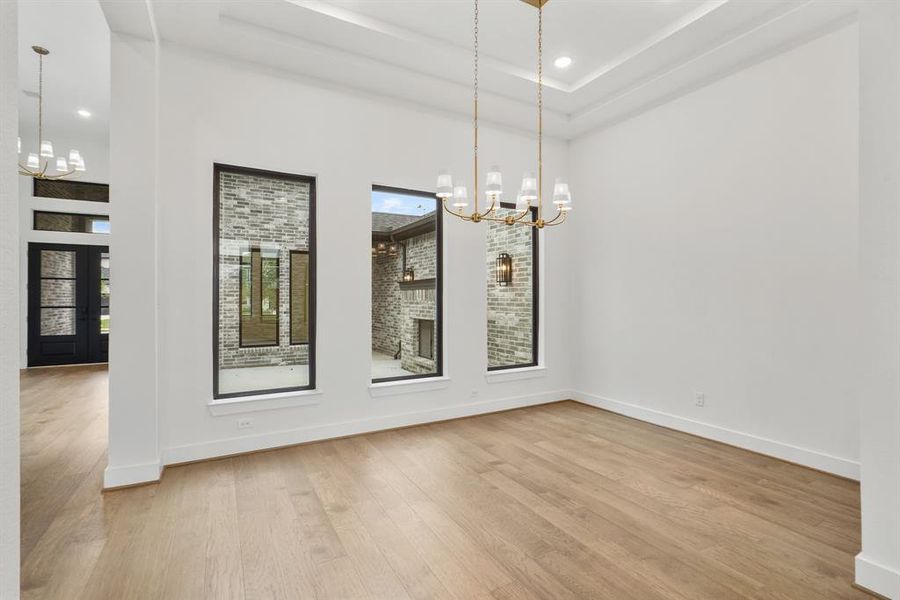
[291, 341]
[438, 285]
[262, 289]
[262, 317]
[248, 267]
[535, 295]
[36, 212]
[219, 168]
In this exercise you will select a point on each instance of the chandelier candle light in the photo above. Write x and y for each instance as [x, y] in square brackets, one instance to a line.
[37, 163]
[454, 196]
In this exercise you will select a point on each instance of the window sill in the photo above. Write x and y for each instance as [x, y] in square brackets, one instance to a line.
[410, 386]
[244, 404]
[515, 374]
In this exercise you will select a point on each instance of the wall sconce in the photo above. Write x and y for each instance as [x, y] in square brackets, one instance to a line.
[381, 248]
[409, 275]
[504, 269]
[392, 250]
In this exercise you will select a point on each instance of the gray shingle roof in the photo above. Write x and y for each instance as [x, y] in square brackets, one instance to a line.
[387, 222]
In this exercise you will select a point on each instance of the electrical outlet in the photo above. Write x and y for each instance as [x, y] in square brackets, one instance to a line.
[699, 398]
[244, 423]
[473, 394]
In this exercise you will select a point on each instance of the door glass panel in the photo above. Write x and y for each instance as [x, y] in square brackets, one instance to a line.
[57, 321]
[58, 263]
[104, 292]
[58, 292]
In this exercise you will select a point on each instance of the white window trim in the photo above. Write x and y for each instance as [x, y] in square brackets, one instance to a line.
[408, 386]
[244, 404]
[502, 375]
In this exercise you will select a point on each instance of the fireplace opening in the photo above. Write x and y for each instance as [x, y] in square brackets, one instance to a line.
[426, 338]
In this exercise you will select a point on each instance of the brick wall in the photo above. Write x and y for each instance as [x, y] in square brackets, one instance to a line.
[386, 274]
[509, 308]
[415, 305]
[272, 214]
[395, 312]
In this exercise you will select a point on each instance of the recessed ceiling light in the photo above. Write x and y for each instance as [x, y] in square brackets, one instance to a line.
[562, 62]
[84, 113]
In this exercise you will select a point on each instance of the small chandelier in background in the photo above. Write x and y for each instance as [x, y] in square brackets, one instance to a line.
[454, 196]
[38, 163]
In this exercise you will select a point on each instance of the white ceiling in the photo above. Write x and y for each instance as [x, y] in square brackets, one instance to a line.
[76, 72]
[628, 54]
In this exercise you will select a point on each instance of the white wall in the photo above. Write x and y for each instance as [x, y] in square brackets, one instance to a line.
[133, 454]
[718, 241]
[9, 309]
[218, 111]
[878, 564]
[96, 154]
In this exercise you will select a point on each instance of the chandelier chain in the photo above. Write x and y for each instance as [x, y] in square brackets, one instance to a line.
[540, 82]
[40, 99]
[475, 99]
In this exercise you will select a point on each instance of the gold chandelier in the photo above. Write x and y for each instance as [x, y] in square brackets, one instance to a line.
[37, 163]
[529, 200]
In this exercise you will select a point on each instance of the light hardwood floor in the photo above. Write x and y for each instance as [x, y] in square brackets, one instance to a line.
[557, 501]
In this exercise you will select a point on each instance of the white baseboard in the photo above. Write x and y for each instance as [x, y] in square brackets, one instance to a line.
[290, 437]
[877, 578]
[795, 454]
[116, 477]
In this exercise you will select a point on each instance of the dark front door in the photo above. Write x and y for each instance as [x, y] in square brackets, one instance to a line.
[68, 304]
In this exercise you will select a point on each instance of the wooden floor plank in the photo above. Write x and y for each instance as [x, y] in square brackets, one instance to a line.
[554, 501]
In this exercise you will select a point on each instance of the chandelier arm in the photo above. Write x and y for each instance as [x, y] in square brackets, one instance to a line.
[494, 219]
[559, 219]
[523, 214]
[491, 208]
[453, 212]
[59, 176]
[513, 220]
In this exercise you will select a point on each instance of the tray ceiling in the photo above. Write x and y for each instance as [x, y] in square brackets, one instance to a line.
[627, 54]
